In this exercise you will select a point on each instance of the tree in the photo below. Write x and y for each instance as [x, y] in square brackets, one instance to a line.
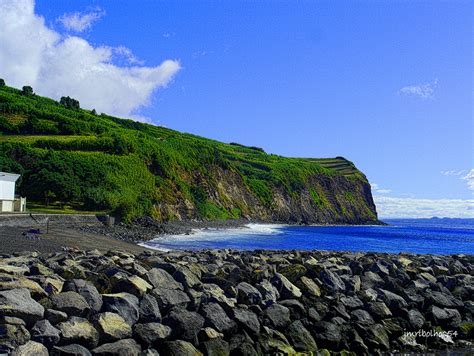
[93, 112]
[2, 82]
[69, 103]
[27, 90]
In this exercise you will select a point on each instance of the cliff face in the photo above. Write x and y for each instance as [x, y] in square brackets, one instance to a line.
[77, 159]
[321, 199]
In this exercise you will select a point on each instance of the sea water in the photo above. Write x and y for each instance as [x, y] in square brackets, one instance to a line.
[434, 236]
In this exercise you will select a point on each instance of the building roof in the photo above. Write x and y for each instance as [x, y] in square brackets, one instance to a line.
[9, 177]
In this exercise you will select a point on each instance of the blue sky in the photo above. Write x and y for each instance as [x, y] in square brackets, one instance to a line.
[386, 84]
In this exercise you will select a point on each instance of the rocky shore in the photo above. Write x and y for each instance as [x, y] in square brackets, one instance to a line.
[223, 302]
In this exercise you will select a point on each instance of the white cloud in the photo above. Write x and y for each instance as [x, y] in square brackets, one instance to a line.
[33, 54]
[127, 54]
[469, 178]
[453, 172]
[424, 91]
[377, 189]
[79, 22]
[394, 207]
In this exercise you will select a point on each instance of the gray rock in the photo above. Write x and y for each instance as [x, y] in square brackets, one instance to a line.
[55, 316]
[44, 333]
[169, 298]
[268, 291]
[13, 333]
[149, 310]
[361, 317]
[377, 337]
[125, 347]
[18, 303]
[416, 319]
[351, 302]
[124, 304]
[247, 320]
[393, 301]
[87, 290]
[247, 294]
[327, 334]
[72, 303]
[297, 309]
[112, 327]
[216, 317]
[215, 347]
[309, 287]
[70, 350]
[371, 280]
[443, 300]
[380, 269]
[31, 348]
[131, 284]
[276, 316]
[300, 338]
[150, 333]
[159, 278]
[285, 288]
[185, 325]
[78, 331]
[379, 310]
[179, 348]
[186, 277]
[242, 344]
[332, 281]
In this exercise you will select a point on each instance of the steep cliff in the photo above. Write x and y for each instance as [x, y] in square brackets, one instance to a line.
[73, 159]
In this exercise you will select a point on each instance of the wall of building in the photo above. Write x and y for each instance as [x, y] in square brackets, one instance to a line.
[7, 190]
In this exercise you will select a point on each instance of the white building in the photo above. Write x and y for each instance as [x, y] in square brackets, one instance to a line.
[8, 202]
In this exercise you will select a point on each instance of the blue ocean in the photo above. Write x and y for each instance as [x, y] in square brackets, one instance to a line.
[434, 236]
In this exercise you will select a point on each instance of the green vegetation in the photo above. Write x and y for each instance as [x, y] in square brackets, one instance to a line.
[76, 160]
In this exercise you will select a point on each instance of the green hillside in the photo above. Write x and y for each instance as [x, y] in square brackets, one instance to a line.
[75, 159]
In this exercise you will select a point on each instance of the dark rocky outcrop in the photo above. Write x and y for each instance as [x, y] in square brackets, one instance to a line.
[223, 302]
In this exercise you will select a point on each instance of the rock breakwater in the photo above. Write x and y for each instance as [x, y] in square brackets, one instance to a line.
[222, 302]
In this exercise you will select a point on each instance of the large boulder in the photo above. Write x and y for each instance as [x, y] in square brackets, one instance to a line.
[185, 276]
[31, 348]
[285, 288]
[300, 338]
[70, 350]
[46, 334]
[87, 290]
[332, 281]
[170, 298]
[72, 303]
[151, 333]
[276, 316]
[184, 324]
[131, 284]
[13, 333]
[179, 348]
[159, 278]
[247, 319]
[78, 331]
[18, 303]
[124, 304]
[126, 347]
[248, 294]
[112, 327]
[216, 317]
[149, 310]
[268, 291]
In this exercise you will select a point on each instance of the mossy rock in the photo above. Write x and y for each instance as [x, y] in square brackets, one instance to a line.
[467, 330]
[293, 272]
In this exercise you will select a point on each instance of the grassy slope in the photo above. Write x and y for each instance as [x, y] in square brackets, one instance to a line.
[103, 163]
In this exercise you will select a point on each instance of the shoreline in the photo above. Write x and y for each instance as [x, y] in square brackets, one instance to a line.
[236, 302]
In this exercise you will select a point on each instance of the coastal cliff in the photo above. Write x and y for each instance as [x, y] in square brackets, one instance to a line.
[75, 160]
